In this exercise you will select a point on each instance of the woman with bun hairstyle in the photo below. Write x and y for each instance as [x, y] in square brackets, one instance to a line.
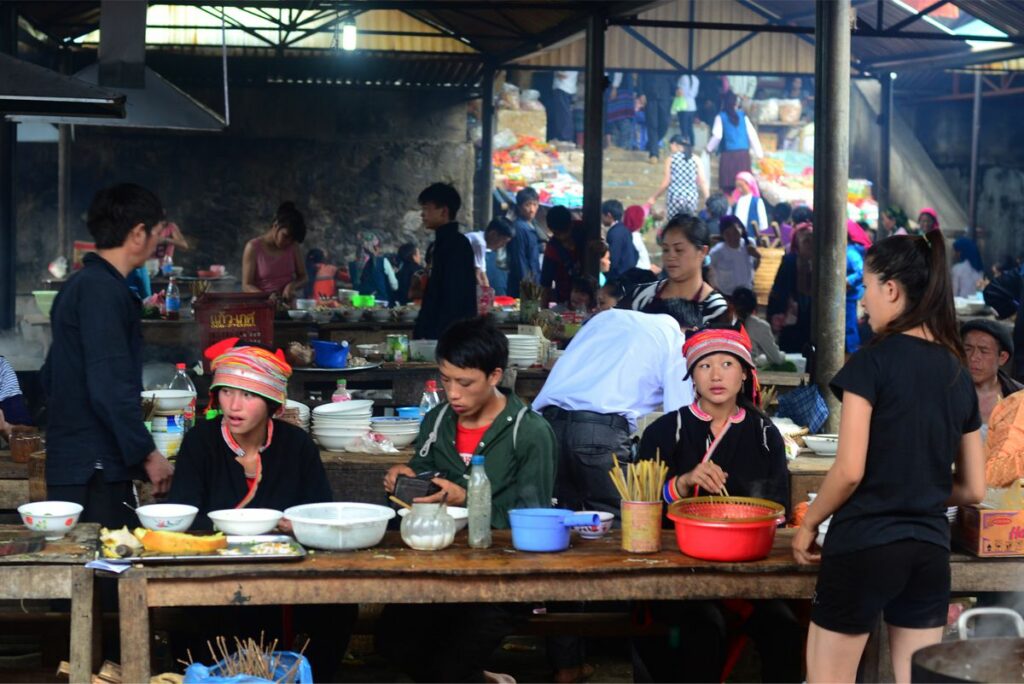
[271, 262]
[909, 447]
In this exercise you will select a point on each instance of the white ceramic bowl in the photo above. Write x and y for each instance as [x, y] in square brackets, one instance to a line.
[168, 399]
[339, 526]
[339, 407]
[400, 441]
[334, 443]
[340, 432]
[170, 517]
[245, 520]
[597, 531]
[298, 314]
[53, 518]
[822, 445]
[460, 514]
[380, 315]
[305, 304]
[352, 315]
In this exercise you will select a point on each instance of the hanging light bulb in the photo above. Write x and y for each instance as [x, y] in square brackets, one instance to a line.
[349, 35]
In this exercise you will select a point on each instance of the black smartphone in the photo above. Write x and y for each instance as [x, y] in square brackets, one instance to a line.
[409, 488]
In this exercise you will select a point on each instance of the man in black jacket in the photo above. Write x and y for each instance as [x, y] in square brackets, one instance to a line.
[451, 288]
[97, 443]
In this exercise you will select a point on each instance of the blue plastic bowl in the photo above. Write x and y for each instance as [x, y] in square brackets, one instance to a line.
[546, 529]
[409, 412]
[330, 354]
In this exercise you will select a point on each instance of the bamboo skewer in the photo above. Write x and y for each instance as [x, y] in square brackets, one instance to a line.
[641, 482]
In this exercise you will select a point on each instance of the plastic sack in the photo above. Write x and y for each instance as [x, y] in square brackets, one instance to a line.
[197, 673]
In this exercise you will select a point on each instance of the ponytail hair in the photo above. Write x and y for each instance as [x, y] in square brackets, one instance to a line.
[918, 264]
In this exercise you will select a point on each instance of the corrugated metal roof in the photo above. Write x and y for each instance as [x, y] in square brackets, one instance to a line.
[1007, 16]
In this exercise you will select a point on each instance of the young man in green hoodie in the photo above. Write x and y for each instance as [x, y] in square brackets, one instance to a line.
[454, 641]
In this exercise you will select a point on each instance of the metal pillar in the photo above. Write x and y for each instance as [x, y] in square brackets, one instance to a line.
[972, 197]
[593, 135]
[8, 141]
[884, 191]
[63, 190]
[831, 171]
[484, 203]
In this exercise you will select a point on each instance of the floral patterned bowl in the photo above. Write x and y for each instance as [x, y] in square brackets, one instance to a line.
[168, 516]
[53, 518]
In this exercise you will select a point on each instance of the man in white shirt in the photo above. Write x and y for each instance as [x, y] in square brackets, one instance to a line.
[687, 88]
[495, 237]
[620, 366]
[564, 88]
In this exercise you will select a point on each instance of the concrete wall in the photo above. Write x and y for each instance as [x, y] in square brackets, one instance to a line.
[351, 160]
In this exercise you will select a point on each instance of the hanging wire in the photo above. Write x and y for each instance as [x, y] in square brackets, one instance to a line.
[224, 62]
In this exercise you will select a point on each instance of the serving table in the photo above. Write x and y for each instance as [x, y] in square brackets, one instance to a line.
[392, 573]
[58, 572]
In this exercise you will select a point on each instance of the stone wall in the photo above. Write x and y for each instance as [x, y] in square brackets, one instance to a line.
[351, 160]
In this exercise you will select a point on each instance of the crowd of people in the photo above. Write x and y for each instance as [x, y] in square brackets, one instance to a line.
[684, 337]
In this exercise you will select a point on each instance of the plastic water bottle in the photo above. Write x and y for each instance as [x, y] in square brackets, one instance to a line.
[429, 399]
[181, 381]
[478, 496]
[341, 393]
[167, 265]
[172, 301]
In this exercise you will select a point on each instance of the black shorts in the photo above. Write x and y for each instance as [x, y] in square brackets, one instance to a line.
[907, 580]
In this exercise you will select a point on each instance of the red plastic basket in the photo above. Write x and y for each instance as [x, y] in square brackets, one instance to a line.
[726, 528]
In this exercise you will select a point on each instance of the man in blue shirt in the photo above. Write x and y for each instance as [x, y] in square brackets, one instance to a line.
[620, 240]
[524, 249]
[96, 441]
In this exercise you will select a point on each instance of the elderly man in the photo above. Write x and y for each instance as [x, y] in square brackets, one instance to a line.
[989, 346]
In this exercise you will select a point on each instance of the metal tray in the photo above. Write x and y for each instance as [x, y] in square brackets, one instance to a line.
[242, 546]
[347, 369]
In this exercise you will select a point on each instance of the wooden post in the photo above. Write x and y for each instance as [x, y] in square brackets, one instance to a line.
[593, 135]
[134, 609]
[485, 179]
[884, 191]
[831, 169]
[63, 189]
[8, 141]
[86, 624]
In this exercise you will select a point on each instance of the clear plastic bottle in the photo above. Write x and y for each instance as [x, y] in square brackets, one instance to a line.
[429, 399]
[167, 265]
[181, 381]
[341, 393]
[172, 301]
[478, 501]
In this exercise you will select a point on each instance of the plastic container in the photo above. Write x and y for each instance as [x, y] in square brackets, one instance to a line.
[44, 300]
[341, 393]
[183, 383]
[727, 529]
[339, 526]
[330, 354]
[429, 400]
[172, 302]
[478, 498]
[409, 412]
[546, 529]
[428, 527]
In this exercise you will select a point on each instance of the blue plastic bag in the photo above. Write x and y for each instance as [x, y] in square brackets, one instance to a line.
[197, 673]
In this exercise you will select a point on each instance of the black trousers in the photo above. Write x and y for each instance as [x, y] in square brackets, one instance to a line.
[586, 442]
[686, 120]
[102, 502]
[657, 114]
[562, 127]
[446, 642]
[696, 646]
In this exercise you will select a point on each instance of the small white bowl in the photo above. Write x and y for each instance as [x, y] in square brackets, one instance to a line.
[597, 531]
[297, 314]
[822, 445]
[169, 400]
[53, 518]
[170, 517]
[460, 514]
[380, 315]
[339, 407]
[245, 521]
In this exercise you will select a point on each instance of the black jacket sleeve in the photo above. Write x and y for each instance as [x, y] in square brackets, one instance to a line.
[317, 487]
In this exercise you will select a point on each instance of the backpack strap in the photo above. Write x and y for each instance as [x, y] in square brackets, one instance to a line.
[515, 428]
[432, 437]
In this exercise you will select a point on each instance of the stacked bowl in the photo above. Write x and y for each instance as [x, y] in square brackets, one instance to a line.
[339, 424]
[297, 414]
[523, 350]
[400, 431]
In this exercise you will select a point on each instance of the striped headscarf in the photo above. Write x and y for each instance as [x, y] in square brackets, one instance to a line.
[723, 341]
[254, 370]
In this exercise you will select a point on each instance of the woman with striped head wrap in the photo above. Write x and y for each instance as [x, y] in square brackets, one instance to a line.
[721, 443]
[245, 458]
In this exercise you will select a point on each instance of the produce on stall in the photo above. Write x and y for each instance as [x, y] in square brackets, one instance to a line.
[523, 161]
[788, 176]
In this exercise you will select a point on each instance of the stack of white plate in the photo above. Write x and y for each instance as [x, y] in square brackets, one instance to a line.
[400, 431]
[523, 350]
[337, 425]
[297, 414]
[951, 514]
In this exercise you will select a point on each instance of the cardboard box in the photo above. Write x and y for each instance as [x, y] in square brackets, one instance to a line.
[990, 533]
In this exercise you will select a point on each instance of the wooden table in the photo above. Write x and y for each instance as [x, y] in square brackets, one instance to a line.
[59, 572]
[806, 473]
[392, 573]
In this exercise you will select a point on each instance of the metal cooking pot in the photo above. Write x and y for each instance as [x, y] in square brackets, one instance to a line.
[999, 659]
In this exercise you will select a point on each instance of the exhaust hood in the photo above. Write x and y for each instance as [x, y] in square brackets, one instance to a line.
[29, 89]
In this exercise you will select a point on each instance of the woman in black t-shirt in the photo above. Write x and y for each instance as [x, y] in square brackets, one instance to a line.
[909, 414]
